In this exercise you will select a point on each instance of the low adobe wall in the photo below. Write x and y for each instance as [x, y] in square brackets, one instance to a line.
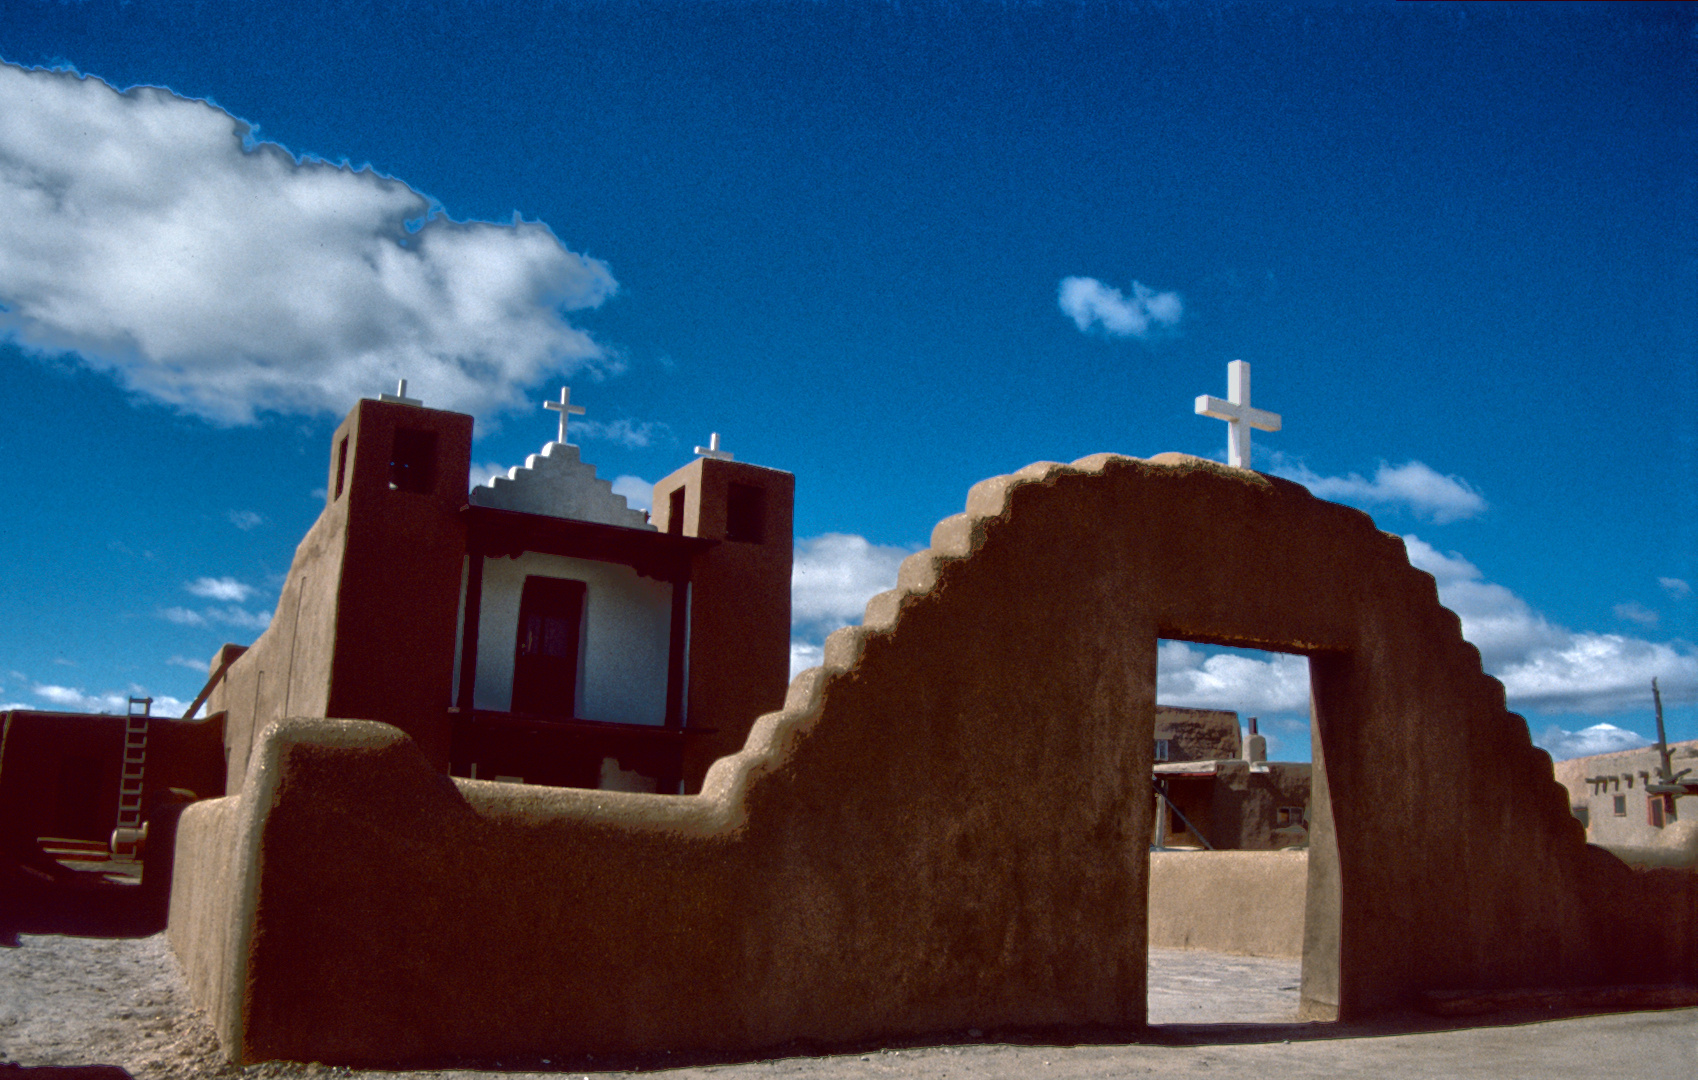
[946, 826]
[1245, 902]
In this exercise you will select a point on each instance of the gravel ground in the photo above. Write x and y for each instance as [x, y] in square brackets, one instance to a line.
[103, 1001]
[117, 1002]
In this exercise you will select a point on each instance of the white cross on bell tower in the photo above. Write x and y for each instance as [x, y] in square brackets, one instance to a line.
[1237, 413]
[565, 408]
[399, 397]
[712, 449]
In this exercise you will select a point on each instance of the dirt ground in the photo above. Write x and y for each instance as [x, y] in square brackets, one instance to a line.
[122, 1002]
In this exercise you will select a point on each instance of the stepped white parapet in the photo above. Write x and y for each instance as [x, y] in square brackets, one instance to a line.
[558, 483]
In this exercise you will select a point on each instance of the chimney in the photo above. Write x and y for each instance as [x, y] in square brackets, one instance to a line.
[1255, 746]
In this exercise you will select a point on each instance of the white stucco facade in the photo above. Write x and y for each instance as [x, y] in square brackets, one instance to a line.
[559, 483]
[623, 650]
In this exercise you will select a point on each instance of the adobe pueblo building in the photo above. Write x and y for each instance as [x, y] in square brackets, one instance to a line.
[945, 826]
[1218, 791]
[1614, 797]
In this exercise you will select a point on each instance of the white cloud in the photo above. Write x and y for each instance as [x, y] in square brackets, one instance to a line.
[231, 615]
[182, 616]
[1411, 486]
[1601, 673]
[834, 576]
[1597, 739]
[245, 520]
[225, 588]
[199, 666]
[805, 655]
[152, 235]
[639, 493]
[483, 474]
[1186, 675]
[235, 616]
[72, 699]
[68, 698]
[1637, 612]
[624, 432]
[1675, 587]
[1549, 667]
[1088, 302]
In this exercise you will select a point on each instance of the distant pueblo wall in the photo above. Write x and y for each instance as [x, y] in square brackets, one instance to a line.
[1246, 902]
[945, 827]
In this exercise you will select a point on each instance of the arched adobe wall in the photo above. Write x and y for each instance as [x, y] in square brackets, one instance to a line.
[1457, 862]
[951, 800]
[945, 826]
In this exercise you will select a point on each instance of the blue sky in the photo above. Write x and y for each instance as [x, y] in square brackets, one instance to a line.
[1456, 244]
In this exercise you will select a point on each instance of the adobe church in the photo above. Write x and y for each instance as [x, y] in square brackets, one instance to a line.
[538, 630]
[578, 643]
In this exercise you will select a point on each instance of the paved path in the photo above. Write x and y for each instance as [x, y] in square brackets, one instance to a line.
[82, 1001]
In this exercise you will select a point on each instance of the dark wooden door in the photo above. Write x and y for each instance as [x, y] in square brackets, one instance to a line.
[545, 661]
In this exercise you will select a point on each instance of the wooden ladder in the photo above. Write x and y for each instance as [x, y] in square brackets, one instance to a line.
[129, 833]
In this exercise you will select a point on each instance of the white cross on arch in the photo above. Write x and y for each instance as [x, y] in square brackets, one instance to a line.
[565, 408]
[1237, 413]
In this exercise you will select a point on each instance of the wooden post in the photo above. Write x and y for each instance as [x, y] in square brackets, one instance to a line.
[676, 646]
[469, 633]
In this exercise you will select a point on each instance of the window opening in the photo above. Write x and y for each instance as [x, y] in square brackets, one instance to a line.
[745, 513]
[412, 461]
[341, 466]
[675, 513]
[77, 813]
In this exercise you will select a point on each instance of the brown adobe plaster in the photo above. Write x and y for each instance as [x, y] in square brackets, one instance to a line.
[359, 629]
[739, 604]
[944, 827]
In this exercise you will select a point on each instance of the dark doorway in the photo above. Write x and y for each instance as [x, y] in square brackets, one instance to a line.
[545, 661]
[79, 813]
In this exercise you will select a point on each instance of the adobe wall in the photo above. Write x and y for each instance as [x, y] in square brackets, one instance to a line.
[1197, 734]
[1246, 802]
[38, 748]
[365, 626]
[739, 604]
[946, 825]
[1245, 902]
